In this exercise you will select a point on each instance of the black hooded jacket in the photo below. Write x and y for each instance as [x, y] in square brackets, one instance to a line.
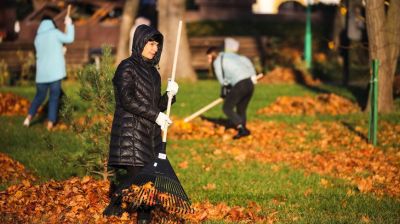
[135, 137]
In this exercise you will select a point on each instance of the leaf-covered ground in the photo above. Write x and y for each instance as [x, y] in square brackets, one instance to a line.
[11, 104]
[341, 153]
[323, 147]
[12, 171]
[331, 148]
[83, 200]
[288, 75]
[321, 104]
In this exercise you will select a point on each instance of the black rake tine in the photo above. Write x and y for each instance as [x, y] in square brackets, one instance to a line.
[152, 195]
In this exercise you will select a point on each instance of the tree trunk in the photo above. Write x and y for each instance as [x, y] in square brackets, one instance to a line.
[170, 12]
[128, 16]
[345, 44]
[37, 4]
[338, 25]
[393, 31]
[380, 27]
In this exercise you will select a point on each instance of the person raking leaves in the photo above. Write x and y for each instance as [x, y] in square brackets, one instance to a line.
[237, 77]
[138, 117]
[50, 66]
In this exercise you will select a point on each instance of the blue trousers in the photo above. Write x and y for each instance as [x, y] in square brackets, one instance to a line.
[41, 93]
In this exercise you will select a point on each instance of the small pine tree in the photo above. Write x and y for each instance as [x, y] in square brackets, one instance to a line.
[97, 90]
[4, 73]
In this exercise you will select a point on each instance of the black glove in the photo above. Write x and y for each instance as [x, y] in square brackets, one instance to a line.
[225, 89]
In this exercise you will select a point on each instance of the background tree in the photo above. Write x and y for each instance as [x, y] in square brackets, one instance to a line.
[383, 36]
[128, 17]
[38, 3]
[170, 12]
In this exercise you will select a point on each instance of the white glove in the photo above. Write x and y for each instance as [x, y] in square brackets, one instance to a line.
[254, 79]
[172, 88]
[67, 20]
[163, 121]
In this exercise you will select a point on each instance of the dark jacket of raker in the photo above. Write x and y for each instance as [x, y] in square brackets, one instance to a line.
[135, 137]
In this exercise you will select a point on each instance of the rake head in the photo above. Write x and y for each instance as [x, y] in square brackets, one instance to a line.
[157, 185]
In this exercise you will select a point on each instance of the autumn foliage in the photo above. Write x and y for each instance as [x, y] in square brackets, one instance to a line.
[280, 75]
[11, 104]
[82, 200]
[333, 149]
[172, 206]
[306, 105]
[342, 152]
[13, 171]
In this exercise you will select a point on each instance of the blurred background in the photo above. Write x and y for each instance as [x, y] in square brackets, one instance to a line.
[270, 32]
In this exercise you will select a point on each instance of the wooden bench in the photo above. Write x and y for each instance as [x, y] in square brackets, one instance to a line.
[16, 53]
[77, 53]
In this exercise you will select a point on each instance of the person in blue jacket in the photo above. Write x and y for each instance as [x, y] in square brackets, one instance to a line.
[50, 66]
[238, 72]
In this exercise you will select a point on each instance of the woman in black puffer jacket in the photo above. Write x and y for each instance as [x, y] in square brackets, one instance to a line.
[138, 117]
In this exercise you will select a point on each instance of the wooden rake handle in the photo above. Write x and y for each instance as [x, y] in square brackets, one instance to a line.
[211, 105]
[178, 40]
[68, 10]
[203, 109]
[67, 15]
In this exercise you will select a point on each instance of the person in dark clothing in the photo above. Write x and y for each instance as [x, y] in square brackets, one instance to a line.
[237, 72]
[138, 117]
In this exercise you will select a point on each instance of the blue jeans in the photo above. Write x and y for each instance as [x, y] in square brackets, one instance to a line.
[41, 93]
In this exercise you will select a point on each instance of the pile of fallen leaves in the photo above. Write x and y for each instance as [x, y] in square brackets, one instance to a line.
[288, 75]
[71, 201]
[198, 129]
[12, 171]
[11, 104]
[307, 105]
[82, 200]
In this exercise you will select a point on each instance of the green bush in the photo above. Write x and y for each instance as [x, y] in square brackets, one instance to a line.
[327, 71]
[27, 62]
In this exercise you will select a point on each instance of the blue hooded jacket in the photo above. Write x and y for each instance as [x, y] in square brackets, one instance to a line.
[50, 62]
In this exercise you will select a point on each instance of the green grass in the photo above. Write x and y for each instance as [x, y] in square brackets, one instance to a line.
[41, 152]
[237, 183]
[191, 98]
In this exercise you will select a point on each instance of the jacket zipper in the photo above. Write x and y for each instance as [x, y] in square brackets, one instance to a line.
[153, 97]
